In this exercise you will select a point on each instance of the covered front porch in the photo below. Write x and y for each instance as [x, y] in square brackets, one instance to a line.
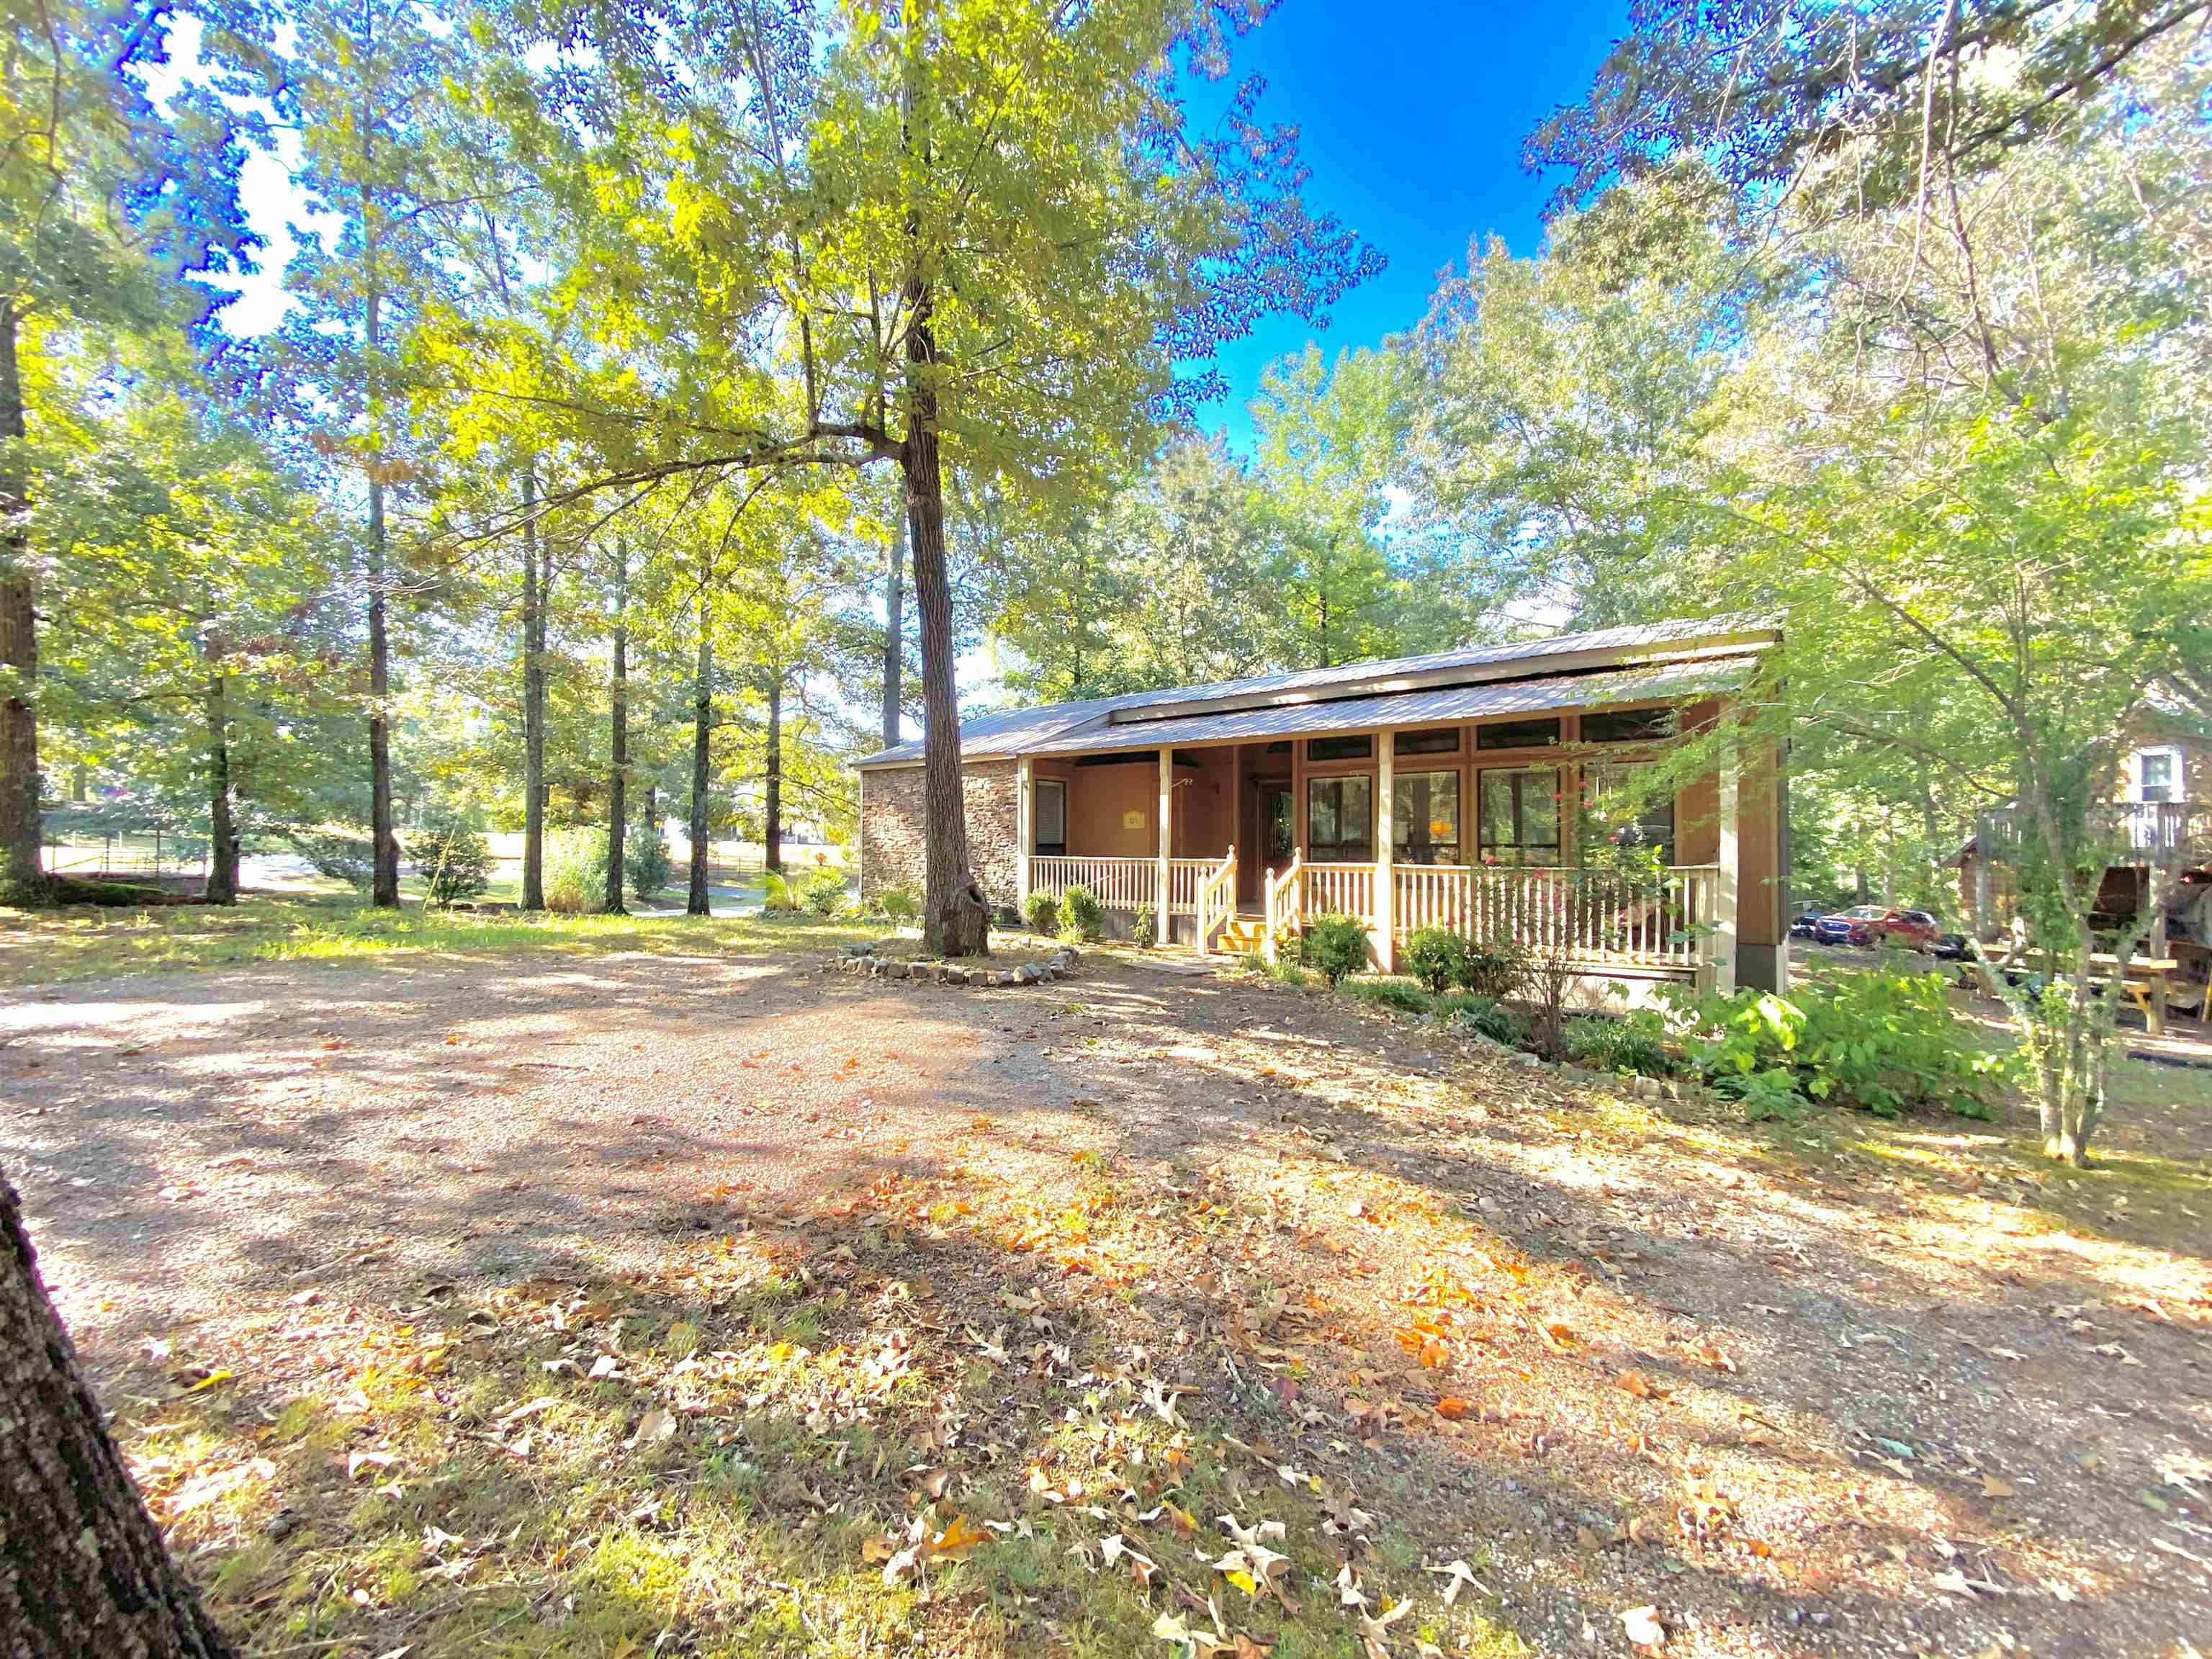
[1232, 847]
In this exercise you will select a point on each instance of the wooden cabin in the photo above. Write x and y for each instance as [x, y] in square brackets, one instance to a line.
[1444, 790]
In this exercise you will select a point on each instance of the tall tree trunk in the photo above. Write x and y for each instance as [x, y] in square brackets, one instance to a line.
[384, 840]
[954, 922]
[19, 872]
[223, 835]
[772, 835]
[533, 703]
[82, 1569]
[702, 727]
[895, 630]
[618, 765]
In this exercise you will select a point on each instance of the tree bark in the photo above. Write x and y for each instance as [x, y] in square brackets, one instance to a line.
[702, 727]
[222, 835]
[618, 763]
[533, 703]
[20, 870]
[384, 841]
[772, 833]
[895, 630]
[82, 1568]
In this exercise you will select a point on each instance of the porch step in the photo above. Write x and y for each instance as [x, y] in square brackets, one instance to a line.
[1242, 935]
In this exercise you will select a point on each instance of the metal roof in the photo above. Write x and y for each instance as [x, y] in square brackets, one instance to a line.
[1404, 708]
[1329, 699]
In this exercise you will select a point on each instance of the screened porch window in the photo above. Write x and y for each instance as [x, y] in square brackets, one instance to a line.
[1520, 815]
[1051, 818]
[1341, 820]
[1424, 818]
[1631, 815]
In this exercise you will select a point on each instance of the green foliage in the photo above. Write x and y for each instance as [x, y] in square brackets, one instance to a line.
[1081, 915]
[823, 891]
[1147, 926]
[1635, 1044]
[778, 896]
[1439, 959]
[1885, 1042]
[900, 905]
[1394, 994]
[454, 858]
[1492, 970]
[1042, 912]
[337, 855]
[646, 864]
[1484, 1014]
[576, 871]
[1334, 946]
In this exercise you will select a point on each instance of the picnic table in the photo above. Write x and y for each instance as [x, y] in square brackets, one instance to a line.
[2147, 980]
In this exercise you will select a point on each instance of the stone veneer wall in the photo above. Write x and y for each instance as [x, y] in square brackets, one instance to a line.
[891, 833]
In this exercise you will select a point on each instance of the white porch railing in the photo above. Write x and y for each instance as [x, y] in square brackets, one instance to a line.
[1217, 899]
[1590, 915]
[1339, 889]
[1124, 884]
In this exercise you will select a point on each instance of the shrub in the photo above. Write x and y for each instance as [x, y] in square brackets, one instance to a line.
[1635, 1044]
[576, 871]
[1492, 970]
[1042, 912]
[646, 866]
[900, 904]
[454, 858]
[1147, 925]
[1284, 970]
[1334, 946]
[823, 891]
[777, 897]
[1389, 993]
[1081, 915]
[1486, 1015]
[1439, 958]
[338, 855]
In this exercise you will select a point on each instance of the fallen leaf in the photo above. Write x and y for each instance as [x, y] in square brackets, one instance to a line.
[1643, 1628]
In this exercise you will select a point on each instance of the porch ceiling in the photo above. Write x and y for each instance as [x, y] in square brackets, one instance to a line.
[1407, 709]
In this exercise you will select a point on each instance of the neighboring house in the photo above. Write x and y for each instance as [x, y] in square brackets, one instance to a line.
[1433, 791]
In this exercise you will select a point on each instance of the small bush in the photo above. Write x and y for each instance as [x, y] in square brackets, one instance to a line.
[1439, 958]
[576, 871]
[338, 855]
[778, 897]
[1486, 1015]
[1147, 926]
[646, 866]
[1492, 970]
[1081, 915]
[1394, 993]
[823, 891]
[454, 858]
[1284, 970]
[900, 904]
[1334, 946]
[1042, 912]
[1635, 1045]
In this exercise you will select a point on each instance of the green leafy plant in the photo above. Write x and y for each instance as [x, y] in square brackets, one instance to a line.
[823, 892]
[337, 855]
[646, 866]
[1439, 959]
[1486, 1015]
[1491, 970]
[1148, 923]
[778, 896]
[1394, 993]
[1334, 946]
[454, 858]
[576, 871]
[1634, 1044]
[1042, 912]
[1081, 915]
[899, 903]
[1763, 1094]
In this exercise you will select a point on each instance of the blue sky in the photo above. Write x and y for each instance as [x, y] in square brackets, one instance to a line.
[1410, 114]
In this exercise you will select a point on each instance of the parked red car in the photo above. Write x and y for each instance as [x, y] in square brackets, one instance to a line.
[1879, 924]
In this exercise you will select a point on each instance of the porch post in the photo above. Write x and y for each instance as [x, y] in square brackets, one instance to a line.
[1725, 897]
[1024, 829]
[1386, 806]
[1167, 839]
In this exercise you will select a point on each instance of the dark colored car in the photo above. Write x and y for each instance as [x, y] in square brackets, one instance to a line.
[1806, 923]
[1878, 924]
[1951, 947]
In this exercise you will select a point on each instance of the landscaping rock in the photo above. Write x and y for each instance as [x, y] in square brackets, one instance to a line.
[901, 969]
[955, 975]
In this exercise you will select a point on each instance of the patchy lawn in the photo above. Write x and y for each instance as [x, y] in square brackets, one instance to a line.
[593, 1300]
[87, 942]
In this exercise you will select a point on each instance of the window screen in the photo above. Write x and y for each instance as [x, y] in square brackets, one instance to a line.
[1336, 748]
[1520, 815]
[1436, 740]
[1628, 725]
[1340, 820]
[1517, 734]
[1424, 818]
[1051, 818]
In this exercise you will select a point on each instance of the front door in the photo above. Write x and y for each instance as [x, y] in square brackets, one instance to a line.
[1277, 826]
